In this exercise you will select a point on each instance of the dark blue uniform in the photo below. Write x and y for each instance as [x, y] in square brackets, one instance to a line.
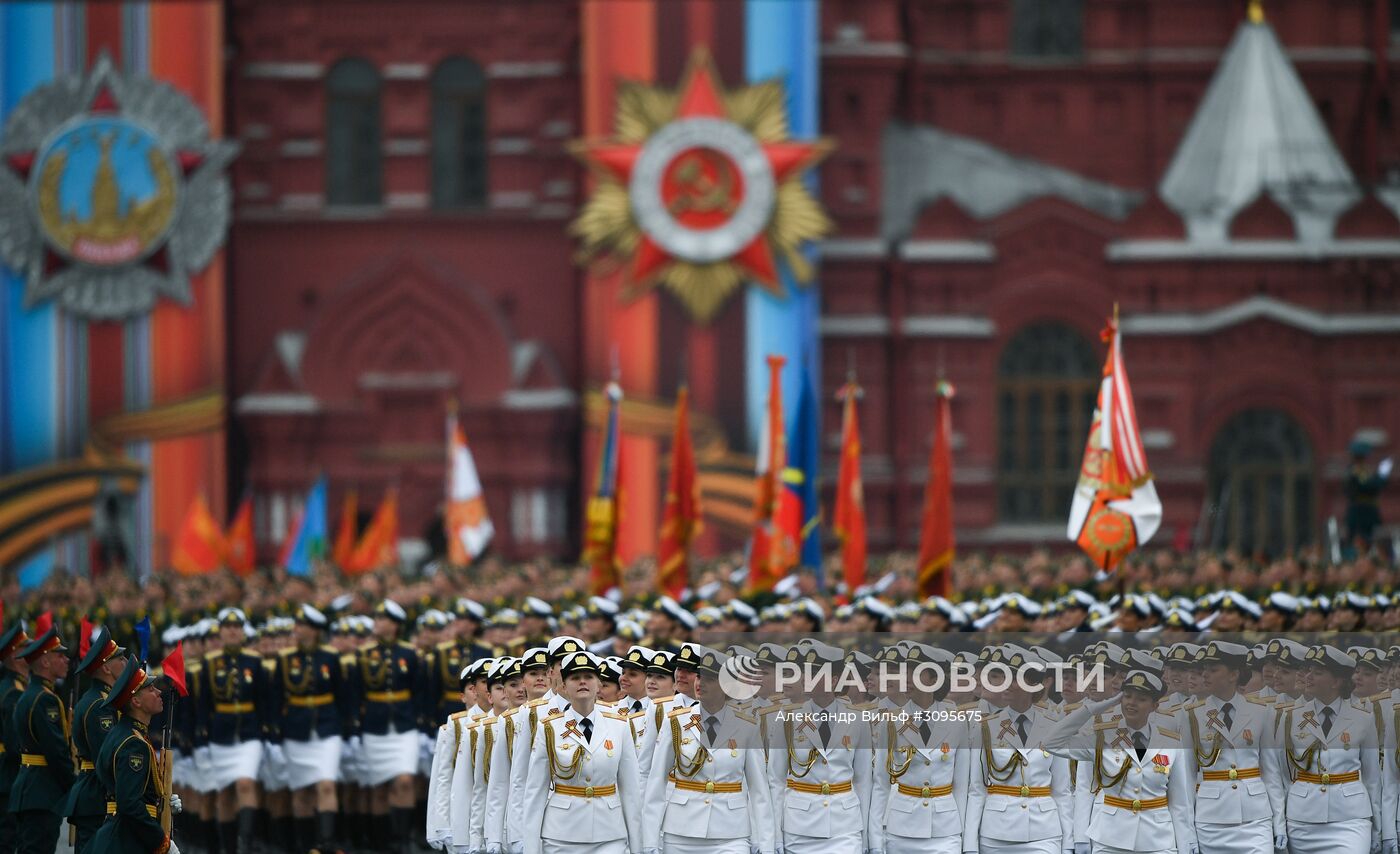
[232, 699]
[310, 696]
[387, 674]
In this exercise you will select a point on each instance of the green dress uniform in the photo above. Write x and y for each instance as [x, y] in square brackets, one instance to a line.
[46, 768]
[11, 687]
[127, 768]
[87, 801]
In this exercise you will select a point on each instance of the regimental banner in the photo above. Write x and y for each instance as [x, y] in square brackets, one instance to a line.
[701, 189]
[112, 193]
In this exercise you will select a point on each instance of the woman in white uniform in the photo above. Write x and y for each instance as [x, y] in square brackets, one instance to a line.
[707, 791]
[582, 791]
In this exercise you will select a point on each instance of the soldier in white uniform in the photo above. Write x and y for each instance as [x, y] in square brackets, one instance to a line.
[440, 779]
[1332, 788]
[820, 766]
[1229, 740]
[1020, 799]
[1142, 791]
[707, 791]
[921, 767]
[582, 789]
[502, 817]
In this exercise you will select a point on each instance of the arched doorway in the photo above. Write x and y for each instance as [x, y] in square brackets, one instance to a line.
[1261, 484]
[1048, 382]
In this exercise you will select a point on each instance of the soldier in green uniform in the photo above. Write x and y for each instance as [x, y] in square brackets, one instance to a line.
[127, 768]
[41, 733]
[1363, 496]
[87, 800]
[14, 675]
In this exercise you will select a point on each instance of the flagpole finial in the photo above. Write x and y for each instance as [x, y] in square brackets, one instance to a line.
[1256, 11]
[1115, 313]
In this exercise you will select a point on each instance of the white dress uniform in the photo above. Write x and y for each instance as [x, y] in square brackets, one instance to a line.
[708, 797]
[1144, 804]
[1019, 797]
[582, 795]
[645, 726]
[439, 814]
[466, 797]
[503, 818]
[1330, 781]
[919, 792]
[821, 795]
[1229, 743]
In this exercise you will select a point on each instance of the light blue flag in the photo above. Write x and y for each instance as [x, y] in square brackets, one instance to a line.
[314, 532]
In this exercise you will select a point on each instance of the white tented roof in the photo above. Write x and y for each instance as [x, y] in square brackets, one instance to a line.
[1257, 131]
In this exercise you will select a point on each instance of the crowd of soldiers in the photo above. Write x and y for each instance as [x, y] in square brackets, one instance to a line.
[1198, 726]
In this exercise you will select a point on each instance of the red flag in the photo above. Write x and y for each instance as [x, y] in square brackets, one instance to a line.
[1115, 507]
[43, 623]
[199, 547]
[848, 520]
[174, 667]
[84, 638]
[241, 554]
[770, 553]
[604, 513]
[936, 546]
[344, 549]
[681, 521]
[379, 544]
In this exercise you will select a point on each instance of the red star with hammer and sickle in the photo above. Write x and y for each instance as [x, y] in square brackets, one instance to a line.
[700, 97]
[103, 103]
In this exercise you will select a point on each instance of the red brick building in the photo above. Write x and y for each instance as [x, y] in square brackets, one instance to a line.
[1004, 175]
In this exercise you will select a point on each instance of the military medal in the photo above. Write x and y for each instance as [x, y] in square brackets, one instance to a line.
[733, 747]
[1346, 738]
[1248, 737]
[608, 746]
[846, 741]
[944, 747]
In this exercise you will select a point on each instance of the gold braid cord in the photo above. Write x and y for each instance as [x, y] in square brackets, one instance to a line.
[1203, 760]
[792, 756]
[488, 743]
[1099, 783]
[1298, 761]
[557, 772]
[999, 773]
[702, 755]
[893, 768]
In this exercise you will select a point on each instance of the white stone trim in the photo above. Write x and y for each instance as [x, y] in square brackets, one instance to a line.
[277, 403]
[947, 250]
[853, 325]
[1158, 439]
[864, 49]
[948, 326]
[255, 190]
[549, 398]
[405, 146]
[1306, 319]
[841, 248]
[407, 380]
[511, 145]
[513, 200]
[1252, 250]
[310, 147]
[406, 71]
[283, 70]
[255, 131]
[302, 201]
[412, 201]
[525, 70]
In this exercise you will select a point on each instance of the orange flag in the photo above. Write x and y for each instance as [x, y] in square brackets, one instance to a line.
[771, 553]
[344, 548]
[379, 544]
[199, 547]
[936, 545]
[849, 517]
[242, 556]
[681, 521]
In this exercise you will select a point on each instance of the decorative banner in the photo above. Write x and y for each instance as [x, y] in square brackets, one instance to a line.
[700, 189]
[112, 194]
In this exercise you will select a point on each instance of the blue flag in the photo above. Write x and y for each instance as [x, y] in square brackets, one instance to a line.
[143, 638]
[312, 535]
[801, 474]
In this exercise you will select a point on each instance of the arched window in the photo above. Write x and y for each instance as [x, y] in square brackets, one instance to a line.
[353, 159]
[1047, 29]
[459, 134]
[1049, 379]
[1261, 484]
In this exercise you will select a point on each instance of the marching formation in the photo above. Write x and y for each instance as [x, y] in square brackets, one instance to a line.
[664, 730]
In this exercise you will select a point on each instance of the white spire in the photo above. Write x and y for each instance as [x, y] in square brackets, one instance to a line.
[1256, 131]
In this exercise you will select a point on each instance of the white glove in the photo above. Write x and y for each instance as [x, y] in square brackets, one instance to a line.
[203, 758]
[1384, 468]
[494, 848]
[1099, 706]
[1280, 841]
[276, 756]
[517, 847]
[1389, 846]
[176, 805]
[1081, 848]
[1195, 850]
[173, 849]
